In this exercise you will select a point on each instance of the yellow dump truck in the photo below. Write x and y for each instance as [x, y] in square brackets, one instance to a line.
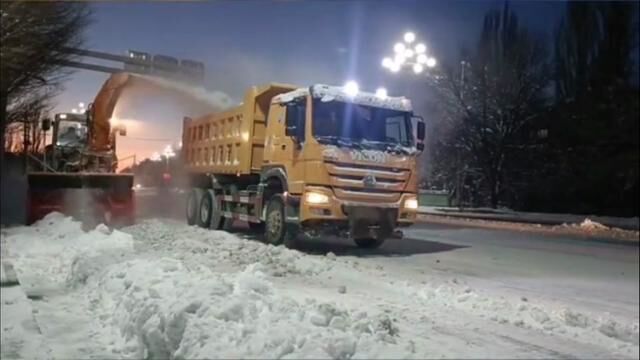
[315, 160]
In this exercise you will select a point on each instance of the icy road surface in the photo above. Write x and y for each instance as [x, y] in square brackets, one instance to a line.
[161, 289]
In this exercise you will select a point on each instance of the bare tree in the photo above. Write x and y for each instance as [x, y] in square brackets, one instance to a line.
[32, 37]
[594, 135]
[485, 114]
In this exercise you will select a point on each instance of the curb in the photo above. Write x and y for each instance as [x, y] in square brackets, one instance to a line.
[516, 219]
[611, 236]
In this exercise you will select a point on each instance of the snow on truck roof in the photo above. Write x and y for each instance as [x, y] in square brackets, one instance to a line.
[337, 93]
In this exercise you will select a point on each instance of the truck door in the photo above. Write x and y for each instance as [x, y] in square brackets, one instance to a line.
[285, 140]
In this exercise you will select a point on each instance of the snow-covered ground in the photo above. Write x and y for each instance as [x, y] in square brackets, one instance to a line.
[161, 289]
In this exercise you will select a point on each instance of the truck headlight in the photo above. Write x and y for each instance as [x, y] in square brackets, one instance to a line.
[411, 204]
[313, 197]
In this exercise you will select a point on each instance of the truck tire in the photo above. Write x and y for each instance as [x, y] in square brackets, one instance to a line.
[368, 243]
[205, 210]
[216, 212]
[193, 202]
[276, 230]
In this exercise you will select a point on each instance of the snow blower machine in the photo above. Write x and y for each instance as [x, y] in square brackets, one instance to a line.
[78, 174]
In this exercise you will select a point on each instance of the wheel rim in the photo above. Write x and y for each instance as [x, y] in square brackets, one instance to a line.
[204, 211]
[274, 224]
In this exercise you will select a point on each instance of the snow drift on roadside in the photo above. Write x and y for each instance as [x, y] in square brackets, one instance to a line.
[602, 329]
[161, 290]
[162, 309]
[46, 251]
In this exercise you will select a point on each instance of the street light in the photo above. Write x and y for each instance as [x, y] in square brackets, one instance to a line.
[168, 153]
[408, 55]
[409, 37]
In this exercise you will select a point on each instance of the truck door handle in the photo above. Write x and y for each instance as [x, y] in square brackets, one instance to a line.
[284, 146]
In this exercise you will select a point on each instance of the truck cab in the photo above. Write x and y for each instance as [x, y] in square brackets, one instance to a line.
[349, 160]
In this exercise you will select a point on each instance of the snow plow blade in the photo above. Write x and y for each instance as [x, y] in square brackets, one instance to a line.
[92, 198]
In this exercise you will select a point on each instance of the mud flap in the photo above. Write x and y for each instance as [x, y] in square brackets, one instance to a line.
[368, 222]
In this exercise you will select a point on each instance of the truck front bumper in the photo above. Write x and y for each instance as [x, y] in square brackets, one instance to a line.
[329, 210]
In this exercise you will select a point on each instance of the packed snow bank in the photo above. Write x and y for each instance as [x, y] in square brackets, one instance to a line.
[587, 224]
[21, 338]
[166, 310]
[537, 315]
[161, 289]
[218, 248]
[44, 253]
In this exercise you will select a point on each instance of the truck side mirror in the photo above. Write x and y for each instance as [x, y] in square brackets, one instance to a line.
[46, 124]
[421, 130]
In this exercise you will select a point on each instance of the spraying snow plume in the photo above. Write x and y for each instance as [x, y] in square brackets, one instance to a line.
[217, 99]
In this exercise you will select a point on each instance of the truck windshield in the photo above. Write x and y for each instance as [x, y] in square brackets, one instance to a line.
[361, 126]
[71, 133]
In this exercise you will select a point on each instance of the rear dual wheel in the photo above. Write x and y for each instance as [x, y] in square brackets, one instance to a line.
[203, 209]
[210, 214]
[193, 204]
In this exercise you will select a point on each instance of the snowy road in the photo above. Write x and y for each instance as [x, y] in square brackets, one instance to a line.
[163, 289]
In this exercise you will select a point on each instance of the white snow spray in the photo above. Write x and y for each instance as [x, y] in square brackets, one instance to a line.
[217, 99]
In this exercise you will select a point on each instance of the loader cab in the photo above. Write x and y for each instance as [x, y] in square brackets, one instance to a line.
[70, 130]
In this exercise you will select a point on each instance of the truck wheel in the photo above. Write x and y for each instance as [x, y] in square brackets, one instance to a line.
[276, 231]
[368, 243]
[193, 202]
[205, 210]
[216, 212]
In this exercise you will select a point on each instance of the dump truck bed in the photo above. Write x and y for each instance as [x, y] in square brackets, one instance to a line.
[230, 142]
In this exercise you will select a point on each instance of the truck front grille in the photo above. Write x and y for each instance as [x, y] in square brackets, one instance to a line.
[372, 184]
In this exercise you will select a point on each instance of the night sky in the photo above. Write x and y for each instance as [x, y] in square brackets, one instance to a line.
[244, 43]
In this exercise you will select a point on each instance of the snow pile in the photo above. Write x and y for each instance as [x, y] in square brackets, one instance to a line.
[45, 252]
[561, 321]
[166, 290]
[587, 224]
[163, 309]
[215, 248]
